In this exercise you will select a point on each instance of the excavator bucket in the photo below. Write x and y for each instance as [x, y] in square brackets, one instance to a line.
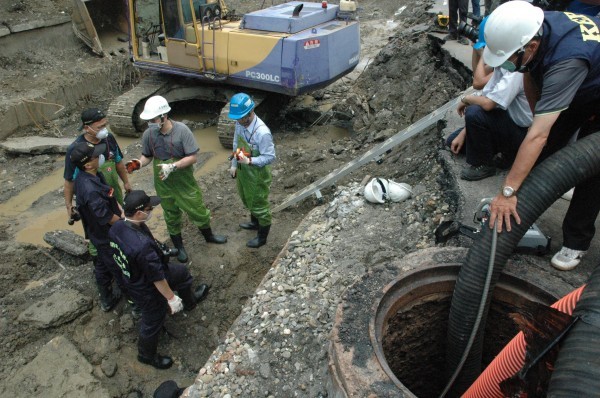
[100, 24]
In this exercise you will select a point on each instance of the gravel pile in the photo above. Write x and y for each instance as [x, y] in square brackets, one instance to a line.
[278, 345]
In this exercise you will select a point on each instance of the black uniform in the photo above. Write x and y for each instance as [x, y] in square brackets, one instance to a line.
[142, 263]
[97, 206]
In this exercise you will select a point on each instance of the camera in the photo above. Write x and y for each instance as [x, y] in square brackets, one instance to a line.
[167, 251]
[471, 32]
[75, 216]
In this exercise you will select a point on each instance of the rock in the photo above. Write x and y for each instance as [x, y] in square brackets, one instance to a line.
[61, 307]
[36, 145]
[109, 367]
[265, 370]
[67, 241]
[59, 370]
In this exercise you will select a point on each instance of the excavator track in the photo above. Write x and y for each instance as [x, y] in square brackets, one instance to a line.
[122, 112]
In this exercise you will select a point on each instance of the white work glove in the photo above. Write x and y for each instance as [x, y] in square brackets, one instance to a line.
[175, 304]
[166, 169]
[233, 172]
[243, 158]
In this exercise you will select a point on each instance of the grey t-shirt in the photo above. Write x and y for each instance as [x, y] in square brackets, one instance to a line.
[175, 144]
[560, 85]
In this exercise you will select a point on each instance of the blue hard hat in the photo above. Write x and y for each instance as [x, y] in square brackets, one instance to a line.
[240, 105]
[481, 40]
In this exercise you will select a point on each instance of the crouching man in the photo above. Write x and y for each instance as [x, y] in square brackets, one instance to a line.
[151, 281]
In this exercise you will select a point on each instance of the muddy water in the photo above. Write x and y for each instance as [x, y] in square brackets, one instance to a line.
[32, 226]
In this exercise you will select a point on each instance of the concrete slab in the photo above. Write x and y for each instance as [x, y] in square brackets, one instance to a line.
[39, 23]
[36, 145]
[61, 307]
[4, 31]
[59, 370]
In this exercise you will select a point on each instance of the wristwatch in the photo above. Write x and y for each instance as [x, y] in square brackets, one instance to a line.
[508, 192]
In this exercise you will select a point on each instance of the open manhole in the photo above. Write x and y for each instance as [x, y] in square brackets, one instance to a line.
[398, 348]
[409, 329]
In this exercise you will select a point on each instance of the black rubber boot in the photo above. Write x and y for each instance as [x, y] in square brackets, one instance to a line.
[192, 298]
[147, 353]
[177, 240]
[252, 225]
[261, 237]
[211, 238]
[107, 299]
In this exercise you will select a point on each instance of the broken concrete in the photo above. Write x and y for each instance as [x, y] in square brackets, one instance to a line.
[59, 370]
[67, 241]
[61, 307]
[36, 145]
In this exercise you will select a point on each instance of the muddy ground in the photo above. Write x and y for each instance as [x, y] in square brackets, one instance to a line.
[406, 80]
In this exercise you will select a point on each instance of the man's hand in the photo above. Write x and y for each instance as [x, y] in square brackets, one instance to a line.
[242, 158]
[127, 186]
[69, 211]
[458, 142]
[460, 109]
[233, 172]
[501, 209]
[132, 166]
[166, 169]
[175, 304]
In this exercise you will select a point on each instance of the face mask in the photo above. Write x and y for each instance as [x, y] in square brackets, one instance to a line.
[148, 215]
[102, 134]
[508, 66]
[154, 125]
[101, 160]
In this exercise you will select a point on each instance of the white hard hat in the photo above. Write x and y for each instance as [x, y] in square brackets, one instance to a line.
[376, 190]
[399, 191]
[509, 28]
[155, 106]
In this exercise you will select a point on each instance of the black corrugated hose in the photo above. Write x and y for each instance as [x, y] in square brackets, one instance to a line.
[544, 185]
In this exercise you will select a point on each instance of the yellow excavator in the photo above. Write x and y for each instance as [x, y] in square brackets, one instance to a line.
[199, 49]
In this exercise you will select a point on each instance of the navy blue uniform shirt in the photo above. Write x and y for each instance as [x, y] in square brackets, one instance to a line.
[137, 254]
[96, 205]
[113, 152]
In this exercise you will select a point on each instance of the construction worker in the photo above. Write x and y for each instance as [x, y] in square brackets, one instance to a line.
[172, 149]
[254, 152]
[457, 10]
[94, 126]
[148, 276]
[560, 55]
[99, 209]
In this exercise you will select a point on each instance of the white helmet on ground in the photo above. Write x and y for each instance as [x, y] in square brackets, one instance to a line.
[399, 191]
[376, 190]
[154, 107]
[509, 28]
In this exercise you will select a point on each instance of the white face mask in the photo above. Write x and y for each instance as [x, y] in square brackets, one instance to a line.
[148, 215]
[154, 125]
[101, 160]
[102, 134]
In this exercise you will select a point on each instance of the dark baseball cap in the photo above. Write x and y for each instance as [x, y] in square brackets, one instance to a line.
[90, 116]
[138, 200]
[83, 152]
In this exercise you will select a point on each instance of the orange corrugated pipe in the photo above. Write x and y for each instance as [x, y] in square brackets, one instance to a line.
[511, 358]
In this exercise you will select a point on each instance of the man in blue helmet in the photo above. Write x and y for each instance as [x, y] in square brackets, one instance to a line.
[254, 152]
[559, 52]
[171, 148]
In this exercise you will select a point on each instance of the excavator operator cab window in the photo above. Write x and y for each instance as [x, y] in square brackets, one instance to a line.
[174, 28]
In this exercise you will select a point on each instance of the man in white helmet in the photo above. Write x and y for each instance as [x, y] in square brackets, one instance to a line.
[559, 52]
[171, 146]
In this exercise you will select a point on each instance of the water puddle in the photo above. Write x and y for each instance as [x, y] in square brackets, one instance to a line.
[32, 226]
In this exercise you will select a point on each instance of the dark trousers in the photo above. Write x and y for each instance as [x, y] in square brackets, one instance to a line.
[458, 11]
[154, 308]
[490, 132]
[578, 224]
[105, 268]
